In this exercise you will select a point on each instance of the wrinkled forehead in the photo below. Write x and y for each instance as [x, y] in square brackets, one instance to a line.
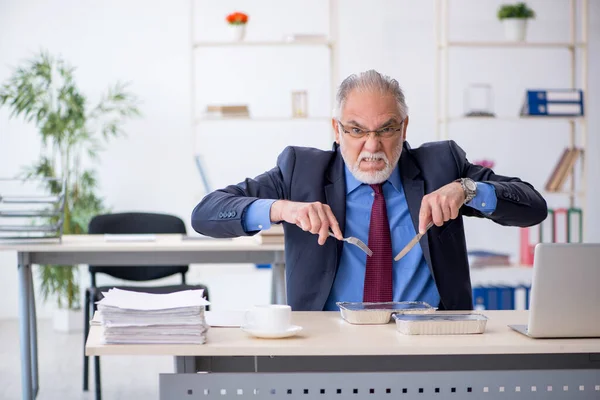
[370, 108]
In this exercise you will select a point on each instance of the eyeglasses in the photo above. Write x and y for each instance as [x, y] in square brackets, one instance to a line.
[358, 133]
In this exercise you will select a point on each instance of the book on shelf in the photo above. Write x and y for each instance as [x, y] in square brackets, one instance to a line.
[305, 37]
[563, 168]
[273, 235]
[486, 258]
[227, 111]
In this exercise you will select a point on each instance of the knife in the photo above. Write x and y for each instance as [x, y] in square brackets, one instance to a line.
[412, 243]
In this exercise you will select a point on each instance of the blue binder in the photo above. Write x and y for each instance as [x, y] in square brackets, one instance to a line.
[553, 102]
[494, 298]
[480, 301]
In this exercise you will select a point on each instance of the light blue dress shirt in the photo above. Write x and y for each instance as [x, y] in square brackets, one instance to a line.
[412, 279]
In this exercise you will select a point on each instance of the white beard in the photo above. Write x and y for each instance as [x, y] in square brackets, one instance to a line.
[373, 177]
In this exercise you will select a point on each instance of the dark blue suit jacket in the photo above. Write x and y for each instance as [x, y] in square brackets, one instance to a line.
[308, 175]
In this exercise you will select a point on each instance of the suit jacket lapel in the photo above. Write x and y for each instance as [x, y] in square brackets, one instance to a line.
[335, 195]
[414, 189]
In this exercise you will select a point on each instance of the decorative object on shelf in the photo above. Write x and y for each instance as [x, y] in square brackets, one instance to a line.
[485, 163]
[553, 103]
[514, 18]
[478, 100]
[299, 104]
[237, 22]
[43, 91]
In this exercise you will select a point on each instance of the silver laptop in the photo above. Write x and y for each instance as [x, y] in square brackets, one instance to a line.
[565, 295]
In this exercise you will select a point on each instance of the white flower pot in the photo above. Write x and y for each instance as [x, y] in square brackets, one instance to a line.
[67, 320]
[238, 32]
[515, 29]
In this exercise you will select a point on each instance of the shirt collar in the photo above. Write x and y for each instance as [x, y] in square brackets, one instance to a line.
[352, 183]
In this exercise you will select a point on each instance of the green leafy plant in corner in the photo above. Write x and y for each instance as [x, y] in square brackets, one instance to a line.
[43, 91]
[518, 10]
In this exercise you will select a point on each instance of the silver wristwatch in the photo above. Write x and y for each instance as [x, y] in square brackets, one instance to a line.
[469, 187]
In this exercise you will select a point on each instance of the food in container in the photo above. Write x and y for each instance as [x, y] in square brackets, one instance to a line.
[379, 313]
[441, 323]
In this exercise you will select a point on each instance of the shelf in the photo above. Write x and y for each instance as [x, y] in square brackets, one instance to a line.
[512, 119]
[261, 119]
[565, 45]
[268, 43]
[566, 192]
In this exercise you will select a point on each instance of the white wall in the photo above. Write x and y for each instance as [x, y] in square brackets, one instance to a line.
[147, 43]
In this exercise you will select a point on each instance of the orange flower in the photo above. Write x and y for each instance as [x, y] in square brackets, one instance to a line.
[237, 18]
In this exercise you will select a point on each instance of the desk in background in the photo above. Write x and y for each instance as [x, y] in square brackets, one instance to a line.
[94, 249]
[331, 359]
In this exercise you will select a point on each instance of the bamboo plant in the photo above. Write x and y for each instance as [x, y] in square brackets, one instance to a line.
[43, 91]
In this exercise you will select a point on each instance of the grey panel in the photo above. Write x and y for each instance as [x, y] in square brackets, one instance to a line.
[492, 385]
[407, 363]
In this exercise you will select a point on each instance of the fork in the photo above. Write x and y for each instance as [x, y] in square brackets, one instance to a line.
[357, 242]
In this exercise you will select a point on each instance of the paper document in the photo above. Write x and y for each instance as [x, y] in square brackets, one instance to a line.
[143, 237]
[126, 299]
[136, 317]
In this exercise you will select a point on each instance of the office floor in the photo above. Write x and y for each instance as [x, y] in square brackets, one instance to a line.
[61, 361]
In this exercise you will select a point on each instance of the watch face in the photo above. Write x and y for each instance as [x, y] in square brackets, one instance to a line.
[470, 184]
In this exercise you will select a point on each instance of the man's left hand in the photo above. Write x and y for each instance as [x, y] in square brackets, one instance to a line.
[441, 205]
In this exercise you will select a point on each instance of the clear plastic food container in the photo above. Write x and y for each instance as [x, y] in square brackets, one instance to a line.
[380, 313]
[440, 324]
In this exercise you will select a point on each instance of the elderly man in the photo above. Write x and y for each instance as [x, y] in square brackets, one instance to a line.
[375, 187]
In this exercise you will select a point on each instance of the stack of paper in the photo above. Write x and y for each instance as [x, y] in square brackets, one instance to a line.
[130, 317]
[484, 258]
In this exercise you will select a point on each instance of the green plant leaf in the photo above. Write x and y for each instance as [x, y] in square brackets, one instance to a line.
[43, 91]
[518, 10]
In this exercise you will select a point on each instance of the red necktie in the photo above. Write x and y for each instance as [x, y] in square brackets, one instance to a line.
[378, 275]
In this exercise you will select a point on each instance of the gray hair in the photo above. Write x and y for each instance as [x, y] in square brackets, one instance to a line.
[370, 81]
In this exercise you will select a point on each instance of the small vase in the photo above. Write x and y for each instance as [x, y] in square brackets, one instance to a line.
[515, 29]
[238, 32]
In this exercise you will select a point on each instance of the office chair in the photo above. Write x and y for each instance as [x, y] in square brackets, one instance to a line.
[130, 223]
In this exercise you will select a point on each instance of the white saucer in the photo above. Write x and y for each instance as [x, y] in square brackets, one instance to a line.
[291, 331]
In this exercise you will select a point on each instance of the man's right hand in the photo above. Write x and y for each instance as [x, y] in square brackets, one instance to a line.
[315, 217]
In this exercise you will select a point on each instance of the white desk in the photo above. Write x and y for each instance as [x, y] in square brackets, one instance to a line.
[94, 249]
[330, 355]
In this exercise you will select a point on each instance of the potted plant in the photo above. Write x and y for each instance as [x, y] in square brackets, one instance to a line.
[237, 22]
[514, 18]
[43, 91]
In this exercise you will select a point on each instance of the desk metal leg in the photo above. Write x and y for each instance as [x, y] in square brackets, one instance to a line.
[185, 364]
[278, 295]
[33, 336]
[25, 325]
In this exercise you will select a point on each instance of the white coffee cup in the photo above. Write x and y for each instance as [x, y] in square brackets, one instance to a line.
[269, 317]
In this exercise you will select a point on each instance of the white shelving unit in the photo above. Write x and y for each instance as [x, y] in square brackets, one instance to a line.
[331, 43]
[577, 127]
[326, 43]
[262, 119]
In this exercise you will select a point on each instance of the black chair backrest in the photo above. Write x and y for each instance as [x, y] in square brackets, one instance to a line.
[135, 222]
